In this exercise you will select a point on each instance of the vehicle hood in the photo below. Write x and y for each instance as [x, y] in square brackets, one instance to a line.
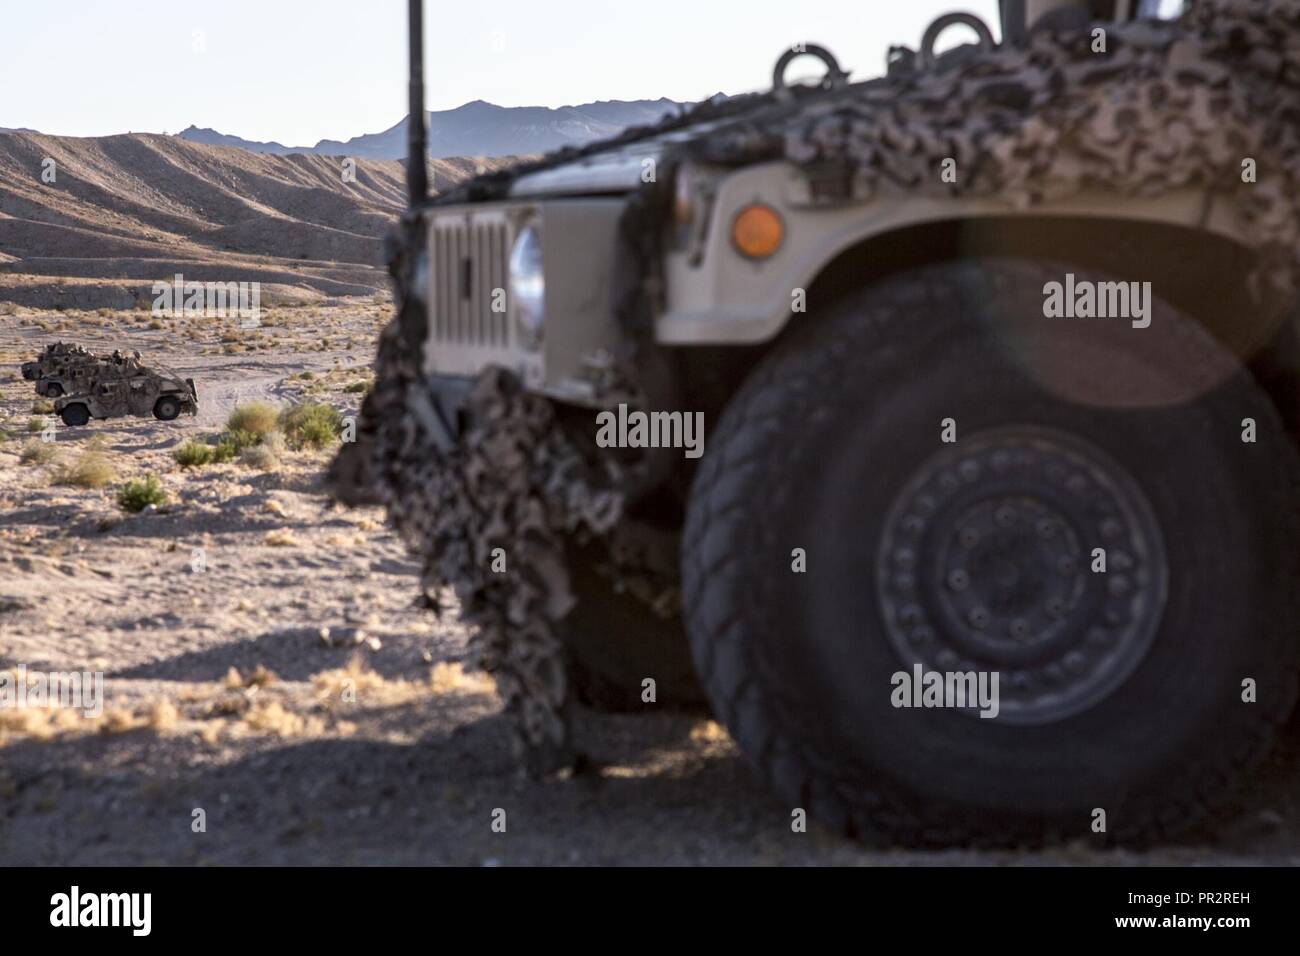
[619, 165]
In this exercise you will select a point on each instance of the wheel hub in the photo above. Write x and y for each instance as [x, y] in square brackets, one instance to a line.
[986, 564]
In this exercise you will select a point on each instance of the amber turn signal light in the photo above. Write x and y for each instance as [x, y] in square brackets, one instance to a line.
[757, 231]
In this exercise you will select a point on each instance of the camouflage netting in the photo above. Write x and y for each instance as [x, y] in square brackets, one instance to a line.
[1165, 106]
[487, 517]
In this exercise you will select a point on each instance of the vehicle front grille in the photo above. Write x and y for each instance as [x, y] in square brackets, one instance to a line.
[467, 261]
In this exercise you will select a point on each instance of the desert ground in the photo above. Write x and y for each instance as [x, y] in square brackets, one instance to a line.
[266, 662]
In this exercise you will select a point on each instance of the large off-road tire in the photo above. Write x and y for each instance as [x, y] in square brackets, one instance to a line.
[75, 415]
[614, 641]
[1120, 691]
[167, 408]
[53, 390]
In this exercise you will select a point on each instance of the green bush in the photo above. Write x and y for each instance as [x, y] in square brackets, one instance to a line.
[242, 438]
[311, 425]
[255, 418]
[36, 425]
[42, 406]
[139, 493]
[357, 387]
[225, 447]
[194, 454]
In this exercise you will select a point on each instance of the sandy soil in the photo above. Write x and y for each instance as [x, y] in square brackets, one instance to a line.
[290, 689]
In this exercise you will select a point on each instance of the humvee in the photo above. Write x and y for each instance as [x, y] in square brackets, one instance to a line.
[960, 561]
[123, 386]
[60, 368]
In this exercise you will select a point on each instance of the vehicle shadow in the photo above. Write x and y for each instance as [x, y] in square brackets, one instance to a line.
[655, 794]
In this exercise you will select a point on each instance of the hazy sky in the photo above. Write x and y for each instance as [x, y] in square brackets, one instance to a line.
[299, 71]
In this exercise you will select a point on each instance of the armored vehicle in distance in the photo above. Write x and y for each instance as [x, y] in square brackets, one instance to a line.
[123, 386]
[60, 369]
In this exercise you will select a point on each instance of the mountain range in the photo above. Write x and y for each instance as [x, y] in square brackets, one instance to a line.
[93, 222]
[476, 129]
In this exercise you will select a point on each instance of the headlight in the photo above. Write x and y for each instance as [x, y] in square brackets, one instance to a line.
[528, 284]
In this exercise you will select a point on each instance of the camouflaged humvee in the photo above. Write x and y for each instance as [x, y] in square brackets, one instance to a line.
[60, 368]
[122, 386]
[993, 534]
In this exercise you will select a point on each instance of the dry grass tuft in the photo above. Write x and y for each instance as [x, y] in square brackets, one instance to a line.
[270, 717]
[38, 453]
[450, 677]
[282, 538]
[259, 676]
[260, 457]
[92, 469]
[710, 732]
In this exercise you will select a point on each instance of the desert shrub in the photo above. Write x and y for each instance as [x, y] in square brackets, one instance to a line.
[139, 493]
[257, 418]
[194, 454]
[42, 406]
[357, 387]
[37, 453]
[92, 469]
[242, 438]
[36, 424]
[311, 425]
[261, 457]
